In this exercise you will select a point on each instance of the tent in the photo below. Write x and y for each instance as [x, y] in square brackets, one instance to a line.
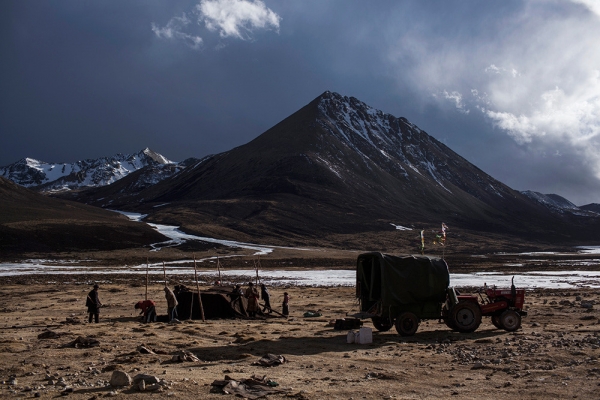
[216, 303]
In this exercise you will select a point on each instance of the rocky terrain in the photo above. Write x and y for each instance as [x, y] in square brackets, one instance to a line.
[50, 350]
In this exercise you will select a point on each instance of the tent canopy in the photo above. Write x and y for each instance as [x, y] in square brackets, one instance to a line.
[216, 303]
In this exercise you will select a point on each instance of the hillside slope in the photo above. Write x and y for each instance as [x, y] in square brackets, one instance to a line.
[33, 222]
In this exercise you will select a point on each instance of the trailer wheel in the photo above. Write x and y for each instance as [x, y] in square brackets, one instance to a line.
[407, 324]
[466, 316]
[510, 320]
[382, 324]
[496, 321]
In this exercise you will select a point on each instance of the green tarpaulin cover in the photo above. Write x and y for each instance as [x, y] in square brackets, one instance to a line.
[397, 280]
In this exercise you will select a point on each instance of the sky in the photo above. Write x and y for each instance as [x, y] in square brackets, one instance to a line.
[511, 86]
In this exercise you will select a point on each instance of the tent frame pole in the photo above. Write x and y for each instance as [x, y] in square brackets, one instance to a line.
[199, 296]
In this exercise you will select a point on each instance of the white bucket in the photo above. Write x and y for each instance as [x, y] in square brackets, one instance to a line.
[364, 336]
[351, 337]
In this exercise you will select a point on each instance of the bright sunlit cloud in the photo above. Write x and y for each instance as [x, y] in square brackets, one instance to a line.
[592, 5]
[231, 18]
[237, 18]
[539, 84]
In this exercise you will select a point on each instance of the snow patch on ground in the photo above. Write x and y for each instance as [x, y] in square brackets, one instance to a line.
[400, 227]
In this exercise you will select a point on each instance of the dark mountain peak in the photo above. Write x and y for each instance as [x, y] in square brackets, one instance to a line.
[550, 200]
[593, 207]
[559, 204]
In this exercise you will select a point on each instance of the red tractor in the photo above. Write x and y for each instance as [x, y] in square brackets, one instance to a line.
[463, 313]
[402, 291]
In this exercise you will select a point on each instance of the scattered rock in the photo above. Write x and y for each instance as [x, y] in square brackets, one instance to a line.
[72, 321]
[144, 349]
[83, 342]
[478, 365]
[147, 379]
[184, 355]
[48, 334]
[153, 388]
[66, 391]
[120, 378]
[270, 360]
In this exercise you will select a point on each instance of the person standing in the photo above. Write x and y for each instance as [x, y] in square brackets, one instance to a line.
[93, 304]
[286, 305]
[266, 297]
[171, 304]
[236, 295]
[252, 296]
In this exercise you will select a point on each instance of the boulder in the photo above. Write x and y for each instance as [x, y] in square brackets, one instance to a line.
[120, 378]
[148, 379]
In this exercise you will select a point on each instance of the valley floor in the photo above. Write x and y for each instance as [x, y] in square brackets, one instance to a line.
[554, 355]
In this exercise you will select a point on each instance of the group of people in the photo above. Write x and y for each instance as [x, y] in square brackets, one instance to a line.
[148, 307]
[252, 295]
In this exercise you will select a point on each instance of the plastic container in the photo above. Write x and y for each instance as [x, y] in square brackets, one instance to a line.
[364, 336]
[351, 337]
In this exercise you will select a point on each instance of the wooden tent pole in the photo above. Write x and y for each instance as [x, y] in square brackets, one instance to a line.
[192, 301]
[198, 288]
[147, 267]
[219, 269]
[278, 313]
[165, 273]
[257, 265]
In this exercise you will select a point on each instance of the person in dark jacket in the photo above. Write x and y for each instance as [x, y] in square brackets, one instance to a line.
[266, 297]
[93, 304]
[252, 296]
[236, 296]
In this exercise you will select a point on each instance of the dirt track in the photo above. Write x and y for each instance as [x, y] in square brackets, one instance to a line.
[554, 355]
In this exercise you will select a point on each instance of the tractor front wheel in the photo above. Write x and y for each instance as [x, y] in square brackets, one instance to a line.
[510, 320]
[407, 324]
[465, 316]
[382, 324]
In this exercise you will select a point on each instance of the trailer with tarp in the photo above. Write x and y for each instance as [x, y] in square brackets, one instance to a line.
[400, 290]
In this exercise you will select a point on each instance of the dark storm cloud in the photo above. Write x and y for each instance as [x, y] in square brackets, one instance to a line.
[511, 86]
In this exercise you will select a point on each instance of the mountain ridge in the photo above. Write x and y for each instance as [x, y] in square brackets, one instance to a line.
[337, 166]
[54, 177]
[338, 172]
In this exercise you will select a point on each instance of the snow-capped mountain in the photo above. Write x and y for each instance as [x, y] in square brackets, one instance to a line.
[56, 177]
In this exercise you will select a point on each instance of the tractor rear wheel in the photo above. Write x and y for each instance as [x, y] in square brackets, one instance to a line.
[465, 316]
[510, 320]
[496, 321]
[407, 324]
[382, 324]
